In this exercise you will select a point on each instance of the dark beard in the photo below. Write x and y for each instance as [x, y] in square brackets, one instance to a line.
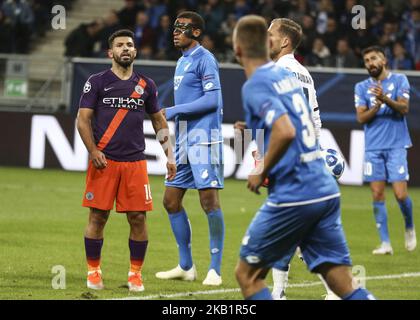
[376, 73]
[124, 64]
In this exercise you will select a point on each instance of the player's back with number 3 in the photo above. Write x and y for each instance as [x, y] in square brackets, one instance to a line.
[300, 175]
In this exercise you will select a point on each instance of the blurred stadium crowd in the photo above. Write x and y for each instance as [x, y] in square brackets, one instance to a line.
[329, 41]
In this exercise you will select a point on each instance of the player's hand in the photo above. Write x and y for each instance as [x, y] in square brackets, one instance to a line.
[171, 168]
[377, 92]
[240, 125]
[255, 181]
[98, 159]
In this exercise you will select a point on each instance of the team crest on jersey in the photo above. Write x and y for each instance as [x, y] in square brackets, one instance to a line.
[177, 81]
[139, 89]
[87, 87]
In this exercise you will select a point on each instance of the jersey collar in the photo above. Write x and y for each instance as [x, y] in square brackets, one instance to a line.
[191, 51]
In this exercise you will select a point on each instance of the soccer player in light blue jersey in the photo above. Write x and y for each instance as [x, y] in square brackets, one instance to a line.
[382, 103]
[303, 204]
[198, 115]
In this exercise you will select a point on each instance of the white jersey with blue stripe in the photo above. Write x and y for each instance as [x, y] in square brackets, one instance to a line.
[197, 72]
[388, 128]
[300, 175]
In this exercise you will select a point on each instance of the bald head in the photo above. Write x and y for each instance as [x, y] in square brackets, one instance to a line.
[250, 37]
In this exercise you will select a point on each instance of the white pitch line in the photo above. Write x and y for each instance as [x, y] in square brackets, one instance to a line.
[296, 285]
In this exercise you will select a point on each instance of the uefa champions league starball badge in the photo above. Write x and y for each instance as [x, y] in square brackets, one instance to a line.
[139, 89]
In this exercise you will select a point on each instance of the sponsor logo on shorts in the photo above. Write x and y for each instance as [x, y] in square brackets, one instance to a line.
[245, 240]
[402, 170]
[205, 174]
[214, 183]
[89, 196]
[252, 259]
[215, 250]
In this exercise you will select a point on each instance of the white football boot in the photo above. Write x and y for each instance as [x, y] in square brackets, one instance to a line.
[410, 239]
[383, 249]
[212, 279]
[178, 273]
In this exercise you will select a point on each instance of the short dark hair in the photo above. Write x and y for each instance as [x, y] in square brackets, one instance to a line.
[372, 49]
[120, 33]
[290, 29]
[251, 33]
[197, 20]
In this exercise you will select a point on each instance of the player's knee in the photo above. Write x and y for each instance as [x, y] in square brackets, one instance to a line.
[171, 205]
[378, 195]
[137, 220]
[240, 275]
[209, 204]
[401, 196]
[98, 218]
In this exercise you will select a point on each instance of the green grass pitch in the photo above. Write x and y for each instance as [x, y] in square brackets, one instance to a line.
[42, 224]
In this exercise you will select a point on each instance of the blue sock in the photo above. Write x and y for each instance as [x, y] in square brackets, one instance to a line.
[182, 231]
[359, 294]
[263, 294]
[217, 235]
[406, 207]
[381, 218]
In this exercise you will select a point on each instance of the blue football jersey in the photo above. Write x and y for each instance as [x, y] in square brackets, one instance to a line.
[388, 129]
[197, 71]
[300, 175]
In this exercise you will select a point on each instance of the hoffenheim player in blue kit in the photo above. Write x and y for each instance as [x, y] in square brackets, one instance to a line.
[382, 102]
[303, 204]
[198, 118]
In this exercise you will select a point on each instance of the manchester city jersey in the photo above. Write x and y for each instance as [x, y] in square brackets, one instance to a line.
[197, 72]
[300, 175]
[120, 107]
[388, 129]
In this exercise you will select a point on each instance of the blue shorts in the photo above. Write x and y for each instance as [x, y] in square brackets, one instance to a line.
[276, 232]
[199, 167]
[386, 165]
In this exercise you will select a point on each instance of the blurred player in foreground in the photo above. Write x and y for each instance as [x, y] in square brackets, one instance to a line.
[285, 36]
[303, 204]
[382, 103]
[198, 114]
[110, 122]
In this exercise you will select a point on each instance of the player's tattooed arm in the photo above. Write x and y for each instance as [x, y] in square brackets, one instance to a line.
[162, 134]
[84, 126]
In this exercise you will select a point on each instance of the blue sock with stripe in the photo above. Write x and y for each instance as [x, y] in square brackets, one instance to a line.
[381, 218]
[406, 207]
[263, 294]
[182, 231]
[217, 235]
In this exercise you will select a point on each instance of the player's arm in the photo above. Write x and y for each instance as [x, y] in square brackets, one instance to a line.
[365, 114]
[84, 126]
[205, 104]
[162, 134]
[401, 105]
[282, 134]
